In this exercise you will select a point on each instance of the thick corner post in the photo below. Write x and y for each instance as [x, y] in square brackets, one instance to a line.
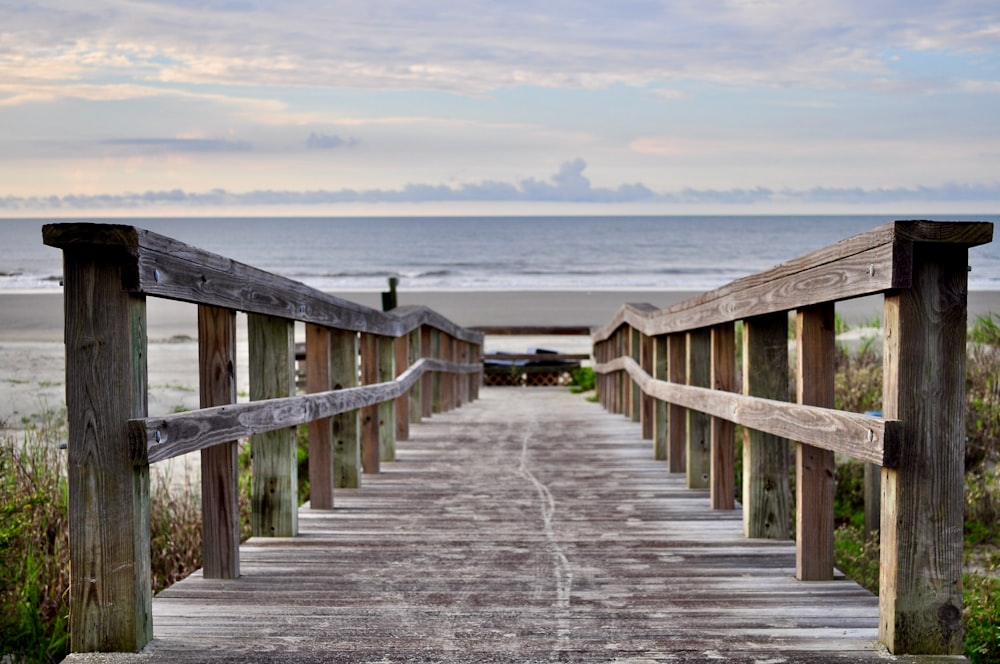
[920, 599]
[110, 592]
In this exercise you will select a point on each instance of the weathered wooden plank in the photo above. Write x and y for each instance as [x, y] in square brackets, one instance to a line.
[370, 453]
[319, 378]
[634, 392]
[766, 493]
[924, 386]
[110, 589]
[219, 464]
[887, 248]
[659, 406]
[416, 400]
[676, 415]
[860, 436]
[346, 423]
[646, 401]
[698, 372]
[157, 265]
[815, 469]
[401, 350]
[274, 496]
[387, 409]
[176, 434]
[427, 382]
[723, 452]
[627, 565]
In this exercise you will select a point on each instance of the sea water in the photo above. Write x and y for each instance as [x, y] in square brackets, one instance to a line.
[491, 253]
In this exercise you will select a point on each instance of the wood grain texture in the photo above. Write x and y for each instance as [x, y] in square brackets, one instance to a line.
[698, 372]
[660, 435]
[401, 349]
[274, 493]
[766, 492]
[370, 453]
[628, 565]
[110, 590]
[387, 409]
[676, 415]
[219, 464]
[346, 423]
[922, 498]
[831, 273]
[723, 452]
[860, 436]
[815, 469]
[319, 378]
[416, 400]
[646, 401]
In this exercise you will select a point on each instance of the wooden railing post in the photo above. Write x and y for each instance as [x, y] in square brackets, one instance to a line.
[220, 509]
[766, 492]
[646, 361]
[387, 409]
[371, 455]
[677, 415]
[427, 380]
[659, 407]
[815, 469]
[447, 381]
[920, 597]
[319, 378]
[274, 486]
[476, 379]
[401, 350]
[699, 429]
[346, 426]
[110, 592]
[416, 400]
[634, 391]
[723, 455]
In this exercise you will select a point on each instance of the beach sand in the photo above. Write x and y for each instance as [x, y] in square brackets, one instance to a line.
[32, 356]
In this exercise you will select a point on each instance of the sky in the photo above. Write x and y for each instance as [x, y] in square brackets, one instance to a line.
[319, 107]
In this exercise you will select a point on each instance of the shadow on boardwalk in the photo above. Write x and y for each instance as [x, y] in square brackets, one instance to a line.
[527, 526]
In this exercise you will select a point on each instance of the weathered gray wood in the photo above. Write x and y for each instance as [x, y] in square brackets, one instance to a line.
[110, 589]
[766, 493]
[346, 424]
[220, 509]
[646, 401]
[401, 349]
[435, 352]
[676, 414]
[868, 263]
[723, 453]
[387, 409]
[416, 400]
[873, 497]
[480, 577]
[815, 469]
[319, 378]
[274, 493]
[173, 435]
[427, 382]
[860, 436]
[157, 265]
[698, 363]
[634, 393]
[924, 386]
[660, 406]
[370, 454]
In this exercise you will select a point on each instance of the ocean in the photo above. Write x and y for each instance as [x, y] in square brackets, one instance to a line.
[663, 253]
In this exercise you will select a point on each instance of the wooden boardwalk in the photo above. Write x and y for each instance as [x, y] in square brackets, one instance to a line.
[527, 526]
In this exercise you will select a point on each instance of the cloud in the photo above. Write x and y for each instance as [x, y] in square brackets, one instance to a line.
[160, 145]
[568, 184]
[326, 142]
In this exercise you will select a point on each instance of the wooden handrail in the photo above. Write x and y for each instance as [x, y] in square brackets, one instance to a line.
[651, 365]
[109, 270]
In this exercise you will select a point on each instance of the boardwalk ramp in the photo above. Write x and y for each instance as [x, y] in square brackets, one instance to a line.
[529, 526]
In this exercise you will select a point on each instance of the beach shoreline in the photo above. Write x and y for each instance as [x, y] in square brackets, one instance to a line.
[32, 366]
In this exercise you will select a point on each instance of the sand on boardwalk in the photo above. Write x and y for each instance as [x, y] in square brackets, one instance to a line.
[32, 372]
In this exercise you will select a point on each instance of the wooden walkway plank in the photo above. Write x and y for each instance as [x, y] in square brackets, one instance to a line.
[550, 536]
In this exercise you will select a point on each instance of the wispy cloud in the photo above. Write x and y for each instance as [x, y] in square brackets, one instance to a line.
[327, 142]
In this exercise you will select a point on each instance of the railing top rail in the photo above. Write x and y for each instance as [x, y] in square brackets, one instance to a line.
[160, 266]
[865, 264]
